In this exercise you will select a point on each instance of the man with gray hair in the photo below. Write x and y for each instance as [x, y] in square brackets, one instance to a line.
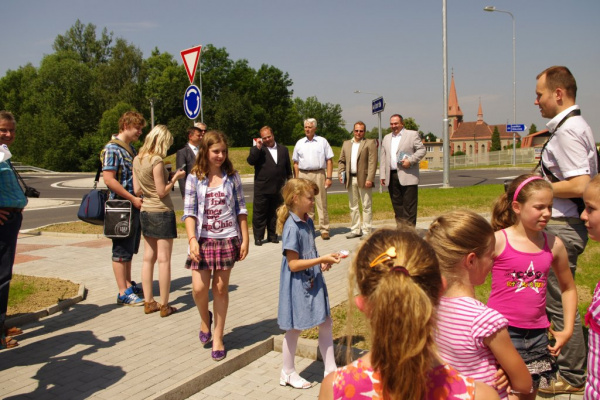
[312, 159]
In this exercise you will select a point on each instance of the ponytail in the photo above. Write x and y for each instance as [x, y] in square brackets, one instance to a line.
[402, 293]
[293, 188]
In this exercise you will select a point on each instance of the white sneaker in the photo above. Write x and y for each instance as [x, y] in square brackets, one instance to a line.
[294, 380]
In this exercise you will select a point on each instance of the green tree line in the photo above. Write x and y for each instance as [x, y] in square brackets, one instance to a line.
[69, 106]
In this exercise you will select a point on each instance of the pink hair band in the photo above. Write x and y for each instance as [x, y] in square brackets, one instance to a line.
[525, 182]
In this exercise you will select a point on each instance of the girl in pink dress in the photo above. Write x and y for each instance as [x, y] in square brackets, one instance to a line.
[471, 337]
[591, 217]
[524, 255]
[398, 280]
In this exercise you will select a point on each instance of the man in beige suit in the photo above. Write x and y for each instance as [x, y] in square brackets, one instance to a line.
[401, 152]
[356, 169]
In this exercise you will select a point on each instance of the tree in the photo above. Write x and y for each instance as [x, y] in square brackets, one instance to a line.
[495, 140]
[81, 39]
[329, 119]
[532, 128]
[410, 124]
[430, 137]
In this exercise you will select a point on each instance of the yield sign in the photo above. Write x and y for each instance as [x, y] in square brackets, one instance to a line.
[190, 60]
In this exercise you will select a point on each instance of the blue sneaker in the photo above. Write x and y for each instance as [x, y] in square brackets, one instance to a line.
[129, 298]
[137, 288]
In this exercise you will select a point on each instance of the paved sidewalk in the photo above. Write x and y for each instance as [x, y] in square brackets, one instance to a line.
[102, 350]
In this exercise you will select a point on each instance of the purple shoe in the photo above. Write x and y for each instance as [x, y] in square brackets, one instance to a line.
[205, 338]
[218, 355]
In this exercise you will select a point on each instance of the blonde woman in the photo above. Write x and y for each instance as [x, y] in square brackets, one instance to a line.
[151, 178]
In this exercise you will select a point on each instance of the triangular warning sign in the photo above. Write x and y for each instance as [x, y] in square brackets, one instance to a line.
[190, 60]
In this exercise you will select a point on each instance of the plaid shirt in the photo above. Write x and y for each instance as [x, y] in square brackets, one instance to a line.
[195, 195]
[11, 194]
[116, 158]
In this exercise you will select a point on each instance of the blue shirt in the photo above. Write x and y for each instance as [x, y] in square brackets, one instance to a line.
[116, 158]
[303, 298]
[11, 194]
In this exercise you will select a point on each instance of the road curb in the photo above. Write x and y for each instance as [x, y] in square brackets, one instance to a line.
[204, 379]
[23, 319]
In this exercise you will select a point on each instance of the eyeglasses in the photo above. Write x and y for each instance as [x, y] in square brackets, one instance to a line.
[202, 130]
[389, 254]
[358, 130]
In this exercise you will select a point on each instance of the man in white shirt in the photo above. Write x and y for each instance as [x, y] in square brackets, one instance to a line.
[569, 161]
[401, 152]
[356, 169]
[312, 159]
[186, 156]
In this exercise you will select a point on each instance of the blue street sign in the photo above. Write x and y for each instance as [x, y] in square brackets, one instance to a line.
[515, 128]
[191, 102]
[378, 105]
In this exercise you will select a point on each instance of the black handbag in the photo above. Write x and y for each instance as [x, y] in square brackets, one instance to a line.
[117, 219]
[91, 209]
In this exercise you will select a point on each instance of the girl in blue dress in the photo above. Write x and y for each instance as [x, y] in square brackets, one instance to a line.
[303, 299]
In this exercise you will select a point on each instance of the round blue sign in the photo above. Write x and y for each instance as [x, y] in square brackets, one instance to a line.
[191, 101]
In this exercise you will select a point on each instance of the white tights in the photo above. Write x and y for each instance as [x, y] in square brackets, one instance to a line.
[290, 342]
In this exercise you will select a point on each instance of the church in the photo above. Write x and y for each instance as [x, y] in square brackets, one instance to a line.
[472, 138]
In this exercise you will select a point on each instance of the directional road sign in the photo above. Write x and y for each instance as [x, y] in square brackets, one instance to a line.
[190, 60]
[515, 127]
[191, 102]
[378, 105]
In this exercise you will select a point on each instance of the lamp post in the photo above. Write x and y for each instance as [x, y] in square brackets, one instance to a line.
[492, 9]
[379, 114]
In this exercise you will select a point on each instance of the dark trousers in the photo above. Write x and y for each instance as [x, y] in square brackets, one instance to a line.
[572, 357]
[265, 215]
[404, 200]
[8, 248]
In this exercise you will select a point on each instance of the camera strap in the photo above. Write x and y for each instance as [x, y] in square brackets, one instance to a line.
[23, 184]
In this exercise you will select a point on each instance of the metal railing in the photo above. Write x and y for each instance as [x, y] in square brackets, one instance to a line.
[501, 157]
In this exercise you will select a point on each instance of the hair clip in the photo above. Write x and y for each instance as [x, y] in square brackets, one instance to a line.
[385, 256]
[401, 269]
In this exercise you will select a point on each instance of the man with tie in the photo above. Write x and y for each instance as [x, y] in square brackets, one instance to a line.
[272, 169]
[186, 156]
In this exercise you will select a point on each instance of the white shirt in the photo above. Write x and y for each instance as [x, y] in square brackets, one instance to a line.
[273, 151]
[570, 152]
[312, 154]
[394, 149]
[194, 149]
[354, 157]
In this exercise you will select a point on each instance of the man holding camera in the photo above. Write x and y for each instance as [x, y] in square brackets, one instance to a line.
[12, 202]
[272, 168]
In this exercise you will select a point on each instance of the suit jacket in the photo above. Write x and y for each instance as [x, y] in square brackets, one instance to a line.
[185, 156]
[366, 161]
[411, 144]
[269, 177]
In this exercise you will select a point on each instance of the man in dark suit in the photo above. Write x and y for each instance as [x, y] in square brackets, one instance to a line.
[357, 167]
[401, 152]
[272, 168]
[187, 155]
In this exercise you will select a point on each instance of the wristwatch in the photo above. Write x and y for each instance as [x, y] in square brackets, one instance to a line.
[329, 178]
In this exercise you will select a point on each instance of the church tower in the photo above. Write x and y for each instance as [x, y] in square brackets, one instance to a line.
[455, 114]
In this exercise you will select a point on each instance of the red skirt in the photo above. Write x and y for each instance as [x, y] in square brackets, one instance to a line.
[216, 254]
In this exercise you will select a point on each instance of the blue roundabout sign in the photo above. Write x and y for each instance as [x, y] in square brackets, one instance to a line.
[191, 101]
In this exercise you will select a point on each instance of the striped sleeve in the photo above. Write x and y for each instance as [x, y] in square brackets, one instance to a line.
[486, 324]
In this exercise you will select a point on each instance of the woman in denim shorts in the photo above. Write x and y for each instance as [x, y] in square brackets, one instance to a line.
[151, 178]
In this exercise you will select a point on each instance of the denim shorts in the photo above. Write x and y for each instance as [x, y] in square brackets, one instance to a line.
[159, 225]
[532, 345]
[124, 249]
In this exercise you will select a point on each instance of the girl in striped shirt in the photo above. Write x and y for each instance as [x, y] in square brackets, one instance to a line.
[591, 217]
[470, 336]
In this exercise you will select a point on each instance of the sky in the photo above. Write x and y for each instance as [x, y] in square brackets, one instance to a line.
[332, 48]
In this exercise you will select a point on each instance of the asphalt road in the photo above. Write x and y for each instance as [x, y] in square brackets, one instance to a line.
[56, 186]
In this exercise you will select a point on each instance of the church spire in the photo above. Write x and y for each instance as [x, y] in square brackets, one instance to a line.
[453, 107]
[479, 114]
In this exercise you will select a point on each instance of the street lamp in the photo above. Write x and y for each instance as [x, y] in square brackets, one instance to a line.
[492, 9]
[379, 114]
